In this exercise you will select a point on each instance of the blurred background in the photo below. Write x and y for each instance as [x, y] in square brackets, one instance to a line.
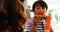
[53, 8]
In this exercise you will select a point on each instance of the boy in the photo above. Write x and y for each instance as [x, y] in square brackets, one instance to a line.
[40, 22]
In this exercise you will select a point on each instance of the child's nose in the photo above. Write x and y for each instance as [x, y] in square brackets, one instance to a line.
[40, 9]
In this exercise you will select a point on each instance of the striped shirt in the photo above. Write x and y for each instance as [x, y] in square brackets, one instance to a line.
[40, 27]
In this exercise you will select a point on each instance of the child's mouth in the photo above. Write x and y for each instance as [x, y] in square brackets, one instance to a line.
[40, 13]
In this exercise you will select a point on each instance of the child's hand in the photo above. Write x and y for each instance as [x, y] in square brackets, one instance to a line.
[35, 20]
[49, 16]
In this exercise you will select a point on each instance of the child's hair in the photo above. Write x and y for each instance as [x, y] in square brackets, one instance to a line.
[41, 3]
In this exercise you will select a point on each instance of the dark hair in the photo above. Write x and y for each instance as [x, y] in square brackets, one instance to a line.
[22, 0]
[12, 13]
[41, 3]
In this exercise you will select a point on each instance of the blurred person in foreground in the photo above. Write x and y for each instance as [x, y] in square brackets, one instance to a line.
[12, 16]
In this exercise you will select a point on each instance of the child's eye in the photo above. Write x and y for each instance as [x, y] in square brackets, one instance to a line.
[43, 8]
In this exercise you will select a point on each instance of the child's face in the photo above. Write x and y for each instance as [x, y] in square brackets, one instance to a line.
[40, 10]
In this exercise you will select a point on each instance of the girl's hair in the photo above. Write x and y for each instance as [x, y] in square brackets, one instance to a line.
[10, 11]
[41, 3]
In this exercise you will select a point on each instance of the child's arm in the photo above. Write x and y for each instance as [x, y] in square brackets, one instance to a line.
[51, 30]
[35, 22]
[32, 28]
